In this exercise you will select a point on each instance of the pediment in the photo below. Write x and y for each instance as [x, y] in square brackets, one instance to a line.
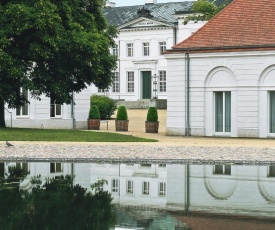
[144, 22]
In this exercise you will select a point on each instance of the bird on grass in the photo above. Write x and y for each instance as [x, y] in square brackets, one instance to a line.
[9, 144]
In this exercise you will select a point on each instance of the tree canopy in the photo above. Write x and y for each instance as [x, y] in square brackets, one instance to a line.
[203, 11]
[53, 47]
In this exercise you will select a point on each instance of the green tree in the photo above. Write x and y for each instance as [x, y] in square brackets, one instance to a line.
[53, 47]
[204, 11]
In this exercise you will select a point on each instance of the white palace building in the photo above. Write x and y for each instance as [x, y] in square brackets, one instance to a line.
[145, 31]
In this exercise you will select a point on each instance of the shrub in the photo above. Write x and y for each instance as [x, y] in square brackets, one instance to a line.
[122, 113]
[106, 106]
[94, 112]
[152, 114]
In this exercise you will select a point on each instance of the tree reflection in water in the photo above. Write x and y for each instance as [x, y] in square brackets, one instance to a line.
[56, 204]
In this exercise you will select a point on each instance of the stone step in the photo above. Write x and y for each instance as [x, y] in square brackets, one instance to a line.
[143, 103]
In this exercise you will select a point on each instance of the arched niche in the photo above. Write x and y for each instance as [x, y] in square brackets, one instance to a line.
[220, 77]
[267, 77]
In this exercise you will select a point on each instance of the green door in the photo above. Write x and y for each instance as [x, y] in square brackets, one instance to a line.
[2, 170]
[146, 90]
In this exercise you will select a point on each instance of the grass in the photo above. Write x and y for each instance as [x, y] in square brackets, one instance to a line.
[18, 134]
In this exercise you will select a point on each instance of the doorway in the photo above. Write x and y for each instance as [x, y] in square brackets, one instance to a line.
[146, 85]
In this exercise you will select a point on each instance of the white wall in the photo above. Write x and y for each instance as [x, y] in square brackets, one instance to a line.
[249, 76]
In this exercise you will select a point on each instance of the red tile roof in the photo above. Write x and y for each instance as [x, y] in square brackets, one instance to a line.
[243, 23]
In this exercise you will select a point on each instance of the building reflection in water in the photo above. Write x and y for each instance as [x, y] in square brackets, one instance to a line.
[243, 192]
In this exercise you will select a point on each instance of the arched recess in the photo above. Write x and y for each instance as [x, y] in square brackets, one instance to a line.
[220, 187]
[220, 79]
[266, 86]
[267, 78]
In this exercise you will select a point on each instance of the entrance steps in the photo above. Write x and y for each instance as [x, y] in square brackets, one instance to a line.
[143, 103]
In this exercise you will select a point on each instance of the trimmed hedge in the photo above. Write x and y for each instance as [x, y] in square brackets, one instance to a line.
[106, 105]
[152, 114]
[94, 112]
[122, 113]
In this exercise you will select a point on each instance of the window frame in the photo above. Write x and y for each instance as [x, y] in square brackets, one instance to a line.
[130, 81]
[54, 106]
[25, 108]
[146, 49]
[271, 123]
[218, 116]
[130, 49]
[115, 85]
[145, 188]
[162, 81]
[271, 171]
[225, 170]
[129, 189]
[114, 185]
[162, 189]
[115, 50]
[162, 47]
[54, 169]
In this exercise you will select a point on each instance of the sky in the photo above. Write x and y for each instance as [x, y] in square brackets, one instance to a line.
[138, 2]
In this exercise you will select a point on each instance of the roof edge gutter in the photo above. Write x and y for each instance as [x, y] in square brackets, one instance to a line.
[220, 48]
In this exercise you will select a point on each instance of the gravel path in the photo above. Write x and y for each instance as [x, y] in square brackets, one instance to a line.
[198, 150]
[146, 153]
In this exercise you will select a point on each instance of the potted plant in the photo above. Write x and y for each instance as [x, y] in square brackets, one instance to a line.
[152, 123]
[94, 118]
[122, 119]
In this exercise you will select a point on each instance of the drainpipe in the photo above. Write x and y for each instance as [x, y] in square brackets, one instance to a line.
[187, 188]
[72, 173]
[72, 110]
[175, 35]
[119, 68]
[187, 92]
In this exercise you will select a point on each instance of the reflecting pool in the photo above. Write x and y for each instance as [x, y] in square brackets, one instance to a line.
[65, 195]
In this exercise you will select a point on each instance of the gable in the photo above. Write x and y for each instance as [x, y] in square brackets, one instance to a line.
[144, 23]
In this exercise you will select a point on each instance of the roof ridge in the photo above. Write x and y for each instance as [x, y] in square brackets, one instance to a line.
[201, 28]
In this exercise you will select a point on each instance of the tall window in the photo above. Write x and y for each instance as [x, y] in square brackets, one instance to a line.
[162, 47]
[114, 185]
[162, 165]
[23, 166]
[130, 82]
[271, 171]
[56, 167]
[162, 81]
[100, 185]
[223, 112]
[129, 187]
[146, 165]
[130, 50]
[272, 112]
[115, 87]
[162, 189]
[2, 169]
[56, 109]
[24, 110]
[146, 49]
[222, 169]
[145, 188]
[115, 50]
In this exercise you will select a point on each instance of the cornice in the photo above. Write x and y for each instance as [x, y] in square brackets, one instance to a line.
[147, 28]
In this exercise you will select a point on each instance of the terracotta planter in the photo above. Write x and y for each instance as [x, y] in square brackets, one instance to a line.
[122, 125]
[151, 126]
[93, 124]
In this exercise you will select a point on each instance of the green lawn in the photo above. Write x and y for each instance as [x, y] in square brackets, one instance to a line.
[16, 134]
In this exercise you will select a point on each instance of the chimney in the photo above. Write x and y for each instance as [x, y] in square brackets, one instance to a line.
[150, 1]
[110, 4]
